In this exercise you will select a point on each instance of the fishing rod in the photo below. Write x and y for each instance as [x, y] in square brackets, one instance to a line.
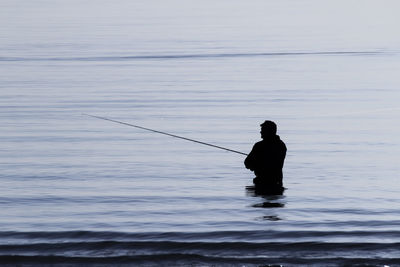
[165, 133]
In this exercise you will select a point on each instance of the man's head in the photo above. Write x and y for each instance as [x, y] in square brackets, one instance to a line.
[268, 129]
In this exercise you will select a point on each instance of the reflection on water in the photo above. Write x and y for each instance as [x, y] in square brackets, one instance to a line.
[259, 191]
[269, 218]
[268, 205]
[256, 191]
[268, 202]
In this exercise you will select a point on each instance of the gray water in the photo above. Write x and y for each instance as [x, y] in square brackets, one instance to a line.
[78, 190]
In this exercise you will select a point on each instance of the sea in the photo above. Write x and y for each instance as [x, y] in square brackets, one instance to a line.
[77, 190]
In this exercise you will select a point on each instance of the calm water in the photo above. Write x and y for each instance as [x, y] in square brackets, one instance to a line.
[78, 190]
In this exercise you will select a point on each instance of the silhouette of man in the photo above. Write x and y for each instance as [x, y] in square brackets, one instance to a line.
[266, 159]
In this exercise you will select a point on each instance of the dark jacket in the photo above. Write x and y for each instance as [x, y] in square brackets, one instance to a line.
[266, 160]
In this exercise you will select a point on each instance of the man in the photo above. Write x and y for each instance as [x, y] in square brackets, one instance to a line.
[266, 159]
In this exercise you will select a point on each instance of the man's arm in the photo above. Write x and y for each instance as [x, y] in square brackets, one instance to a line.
[249, 162]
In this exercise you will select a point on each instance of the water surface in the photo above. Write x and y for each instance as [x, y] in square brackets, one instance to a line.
[85, 191]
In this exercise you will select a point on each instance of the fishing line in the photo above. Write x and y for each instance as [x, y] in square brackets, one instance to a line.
[165, 133]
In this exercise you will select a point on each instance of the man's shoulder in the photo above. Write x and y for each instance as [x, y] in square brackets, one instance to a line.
[282, 145]
[259, 143]
[257, 146]
[272, 142]
[281, 142]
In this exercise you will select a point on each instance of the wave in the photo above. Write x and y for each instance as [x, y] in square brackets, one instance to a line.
[178, 259]
[214, 236]
[190, 56]
[205, 248]
[150, 247]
